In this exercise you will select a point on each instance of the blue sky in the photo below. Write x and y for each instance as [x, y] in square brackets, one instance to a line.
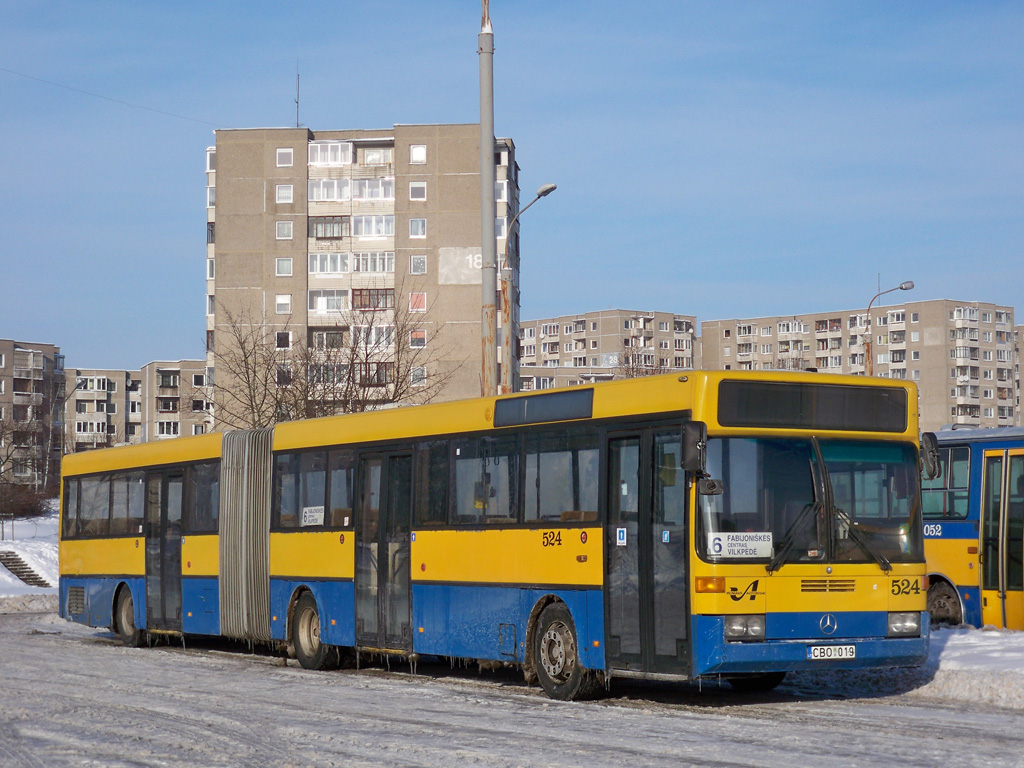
[719, 159]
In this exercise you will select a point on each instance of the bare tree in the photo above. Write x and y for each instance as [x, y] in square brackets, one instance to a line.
[638, 361]
[378, 352]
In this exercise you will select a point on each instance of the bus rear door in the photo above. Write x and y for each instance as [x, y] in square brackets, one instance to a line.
[646, 592]
[1002, 539]
[163, 551]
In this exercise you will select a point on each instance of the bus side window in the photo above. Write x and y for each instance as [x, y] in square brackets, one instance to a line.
[432, 483]
[94, 510]
[70, 509]
[342, 463]
[486, 479]
[286, 490]
[202, 497]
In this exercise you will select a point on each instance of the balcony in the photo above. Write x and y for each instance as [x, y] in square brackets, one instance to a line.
[33, 374]
[27, 398]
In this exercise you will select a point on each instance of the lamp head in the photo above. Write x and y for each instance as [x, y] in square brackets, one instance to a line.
[906, 285]
[547, 189]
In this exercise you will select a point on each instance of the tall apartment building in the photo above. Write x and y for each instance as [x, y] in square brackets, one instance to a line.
[32, 390]
[598, 346]
[103, 408]
[961, 354]
[335, 238]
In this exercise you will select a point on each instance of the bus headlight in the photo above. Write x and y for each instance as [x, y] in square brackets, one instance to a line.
[744, 628]
[905, 624]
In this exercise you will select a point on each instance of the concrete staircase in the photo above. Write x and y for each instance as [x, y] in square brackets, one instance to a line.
[13, 563]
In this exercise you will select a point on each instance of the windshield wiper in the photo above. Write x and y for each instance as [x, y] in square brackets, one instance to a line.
[861, 542]
[789, 537]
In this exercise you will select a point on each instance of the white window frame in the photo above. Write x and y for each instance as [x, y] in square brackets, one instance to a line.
[417, 334]
[330, 152]
[283, 266]
[418, 264]
[285, 157]
[417, 154]
[318, 260]
[284, 194]
[417, 229]
[211, 271]
[318, 300]
[414, 305]
[284, 229]
[283, 304]
[418, 186]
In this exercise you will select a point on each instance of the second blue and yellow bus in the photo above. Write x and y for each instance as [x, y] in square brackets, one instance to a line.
[974, 528]
[709, 525]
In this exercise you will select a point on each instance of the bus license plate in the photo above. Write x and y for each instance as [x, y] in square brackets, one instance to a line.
[826, 652]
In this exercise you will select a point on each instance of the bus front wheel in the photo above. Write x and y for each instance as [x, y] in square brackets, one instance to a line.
[944, 604]
[130, 634]
[309, 650]
[557, 659]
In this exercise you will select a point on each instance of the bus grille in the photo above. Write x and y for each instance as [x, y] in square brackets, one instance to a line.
[827, 585]
[76, 600]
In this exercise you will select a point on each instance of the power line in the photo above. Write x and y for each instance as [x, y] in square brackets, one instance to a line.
[107, 98]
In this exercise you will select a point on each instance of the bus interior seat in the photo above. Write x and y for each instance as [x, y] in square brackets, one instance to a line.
[340, 517]
[582, 515]
[498, 520]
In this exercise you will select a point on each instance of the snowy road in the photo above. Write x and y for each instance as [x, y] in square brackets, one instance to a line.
[70, 695]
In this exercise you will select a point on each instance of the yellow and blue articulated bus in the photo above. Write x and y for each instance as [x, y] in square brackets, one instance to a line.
[714, 524]
[974, 528]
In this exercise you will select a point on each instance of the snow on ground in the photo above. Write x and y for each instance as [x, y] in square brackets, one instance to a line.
[983, 666]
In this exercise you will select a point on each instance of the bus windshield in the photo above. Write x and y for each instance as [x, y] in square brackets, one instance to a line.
[809, 500]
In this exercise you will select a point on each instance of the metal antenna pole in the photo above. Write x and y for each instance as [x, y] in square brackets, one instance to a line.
[489, 246]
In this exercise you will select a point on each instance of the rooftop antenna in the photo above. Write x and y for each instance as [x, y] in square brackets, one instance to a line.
[296, 93]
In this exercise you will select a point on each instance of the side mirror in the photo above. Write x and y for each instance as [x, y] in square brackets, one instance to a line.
[695, 447]
[930, 455]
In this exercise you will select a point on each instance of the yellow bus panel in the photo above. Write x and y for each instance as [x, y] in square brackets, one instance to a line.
[562, 556]
[200, 555]
[97, 557]
[313, 554]
[957, 564]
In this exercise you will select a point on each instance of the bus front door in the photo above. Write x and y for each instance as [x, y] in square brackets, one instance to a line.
[646, 583]
[163, 551]
[383, 591]
[1002, 539]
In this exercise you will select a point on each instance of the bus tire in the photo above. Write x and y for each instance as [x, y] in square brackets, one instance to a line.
[124, 619]
[556, 657]
[756, 683]
[944, 605]
[310, 652]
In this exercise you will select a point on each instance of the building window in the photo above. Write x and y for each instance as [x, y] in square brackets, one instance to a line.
[284, 375]
[284, 230]
[373, 226]
[198, 429]
[328, 263]
[328, 301]
[283, 267]
[500, 229]
[501, 191]
[330, 153]
[418, 376]
[374, 189]
[374, 261]
[373, 298]
[417, 190]
[167, 428]
[284, 339]
[417, 264]
[328, 227]
[417, 154]
[418, 302]
[211, 197]
[284, 157]
[211, 268]
[211, 231]
[417, 227]
[417, 339]
[283, 304]
[198, 380]
[211, 302]
[377, 155]
[284, 193]
[329, 339]
[328, 190]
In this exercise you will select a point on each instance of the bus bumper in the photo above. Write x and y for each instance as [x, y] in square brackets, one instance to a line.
[714, 656]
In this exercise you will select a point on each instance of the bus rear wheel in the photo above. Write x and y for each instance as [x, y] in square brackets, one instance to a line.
[944, 605]
[309, 650]
[557, 659]
[124, 619]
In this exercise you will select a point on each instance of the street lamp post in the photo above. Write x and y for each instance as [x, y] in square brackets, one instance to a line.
[506, 385]
[906, 285]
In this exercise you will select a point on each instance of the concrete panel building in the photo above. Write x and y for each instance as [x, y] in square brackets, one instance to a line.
[960, 353]
[330, 238]
[603, 345]
[174, 399]
[32, 391]
[103, 408]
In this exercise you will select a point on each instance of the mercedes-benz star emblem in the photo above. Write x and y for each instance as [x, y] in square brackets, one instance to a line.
[828, 624]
